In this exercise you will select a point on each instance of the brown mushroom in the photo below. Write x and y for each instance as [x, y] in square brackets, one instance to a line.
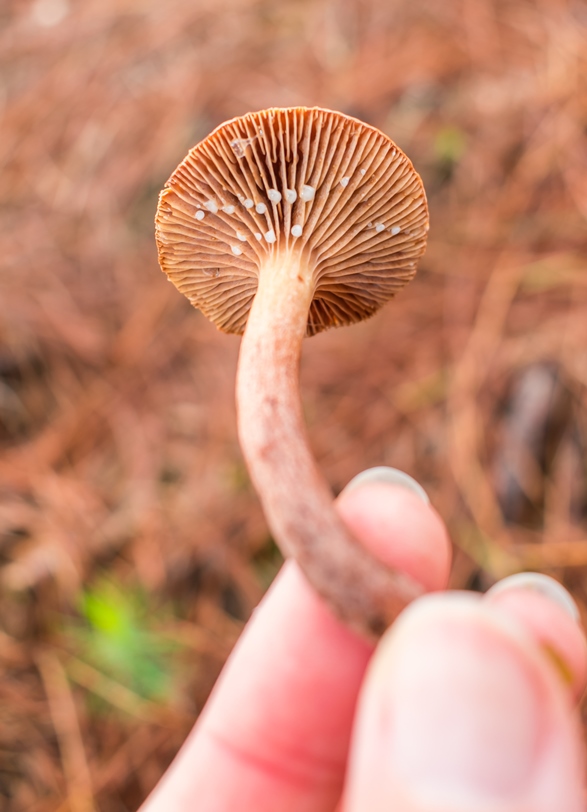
[278, 225]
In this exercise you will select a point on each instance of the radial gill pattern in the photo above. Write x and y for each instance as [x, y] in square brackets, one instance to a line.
[295, 181]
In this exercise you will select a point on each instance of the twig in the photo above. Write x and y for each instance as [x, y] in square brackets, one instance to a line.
[65, 720]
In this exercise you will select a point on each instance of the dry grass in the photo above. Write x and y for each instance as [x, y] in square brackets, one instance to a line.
[125, 510]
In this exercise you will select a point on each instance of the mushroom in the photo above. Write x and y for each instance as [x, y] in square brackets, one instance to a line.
[277, 226]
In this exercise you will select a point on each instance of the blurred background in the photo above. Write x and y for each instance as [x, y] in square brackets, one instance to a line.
[132, 546]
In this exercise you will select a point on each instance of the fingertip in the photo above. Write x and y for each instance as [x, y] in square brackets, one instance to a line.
[460, 711]
[557, 632]
[400, 529]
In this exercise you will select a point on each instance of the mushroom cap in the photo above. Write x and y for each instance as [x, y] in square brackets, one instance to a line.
[304, 181]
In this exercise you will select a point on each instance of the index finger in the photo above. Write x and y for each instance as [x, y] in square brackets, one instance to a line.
[276, 730]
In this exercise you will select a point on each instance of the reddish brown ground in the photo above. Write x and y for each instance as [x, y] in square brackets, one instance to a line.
[132, 547]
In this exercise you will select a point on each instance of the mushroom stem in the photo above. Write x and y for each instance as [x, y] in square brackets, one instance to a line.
[296, 498]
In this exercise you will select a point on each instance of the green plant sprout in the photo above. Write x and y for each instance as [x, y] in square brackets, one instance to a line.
[119, 638]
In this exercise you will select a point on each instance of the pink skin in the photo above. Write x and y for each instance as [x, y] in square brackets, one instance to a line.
[550, 628]
[276, 733]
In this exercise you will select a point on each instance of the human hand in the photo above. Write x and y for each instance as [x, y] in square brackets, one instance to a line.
[467, 704]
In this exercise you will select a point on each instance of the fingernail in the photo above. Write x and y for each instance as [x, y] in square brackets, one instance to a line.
[390, 476]
[456, 733]
[537, 582]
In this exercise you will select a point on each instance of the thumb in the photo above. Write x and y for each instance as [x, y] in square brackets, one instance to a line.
[461, 711]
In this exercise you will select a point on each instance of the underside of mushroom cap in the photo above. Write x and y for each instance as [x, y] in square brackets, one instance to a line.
[306, 181]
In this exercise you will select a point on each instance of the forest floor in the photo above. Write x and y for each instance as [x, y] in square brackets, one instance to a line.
[132, 546]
